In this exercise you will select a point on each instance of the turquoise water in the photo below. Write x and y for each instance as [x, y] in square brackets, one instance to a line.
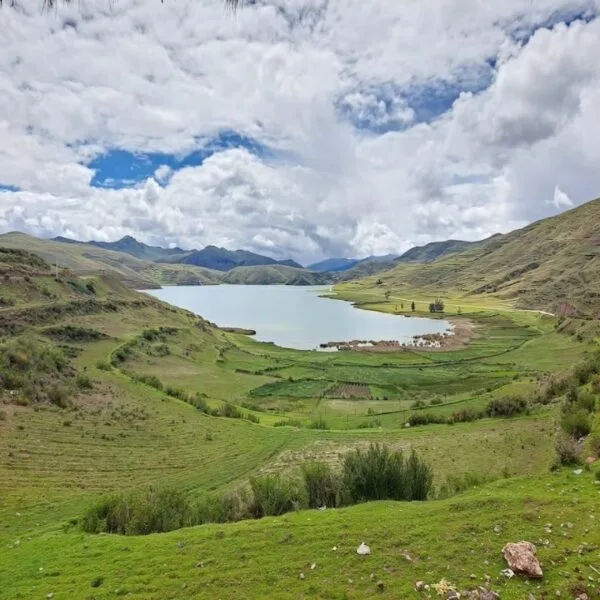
[294, 316]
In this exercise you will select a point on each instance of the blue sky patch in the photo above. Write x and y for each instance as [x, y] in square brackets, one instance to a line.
[9, 188]
[121, 168]
[524, 28]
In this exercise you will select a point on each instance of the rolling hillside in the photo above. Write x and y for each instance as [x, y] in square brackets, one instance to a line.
[222, 259]
[435, 250]
[86, 259]
[549, 262]
[274, 274]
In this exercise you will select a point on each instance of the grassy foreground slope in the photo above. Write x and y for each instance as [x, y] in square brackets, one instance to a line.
[548, 262]
[459, 539]
[111, 430]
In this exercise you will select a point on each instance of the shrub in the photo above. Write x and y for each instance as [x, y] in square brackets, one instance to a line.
[595, 444]
[103, 365]
[83, 382]
[418, 404]
[455, 484]
[90, 287]
[274, 495]
[378, 474]
[507, 406]
[586, 402]
[466, 415]
[288, 423]
[576, 424]
[58, 395]
[567, 451]
[318, 423]
[322, 484]
[151, 380]
[139, 513]
[425, 418]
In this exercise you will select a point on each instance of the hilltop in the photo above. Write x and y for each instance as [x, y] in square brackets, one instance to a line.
[274, 274]
[548, 263]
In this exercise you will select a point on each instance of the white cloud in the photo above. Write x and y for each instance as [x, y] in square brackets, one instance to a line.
[145, 77]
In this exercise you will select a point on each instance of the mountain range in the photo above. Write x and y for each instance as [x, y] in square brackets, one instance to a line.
[546, 264]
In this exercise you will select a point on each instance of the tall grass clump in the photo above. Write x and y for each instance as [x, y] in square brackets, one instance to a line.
[275, 495]
[323, 485]
[380, 474]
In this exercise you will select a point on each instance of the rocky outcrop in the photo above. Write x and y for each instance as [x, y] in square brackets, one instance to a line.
[521, 558]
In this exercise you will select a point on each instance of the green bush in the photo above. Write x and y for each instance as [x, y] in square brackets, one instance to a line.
[273, 495]
[567, 451]
[595, 444]
[151, 380]
[59, 395]
[83, 382]
[103, 365]
[322, 484]
[507, 406]
[288, 423]
[379, 474]
[576, 424]
[318, 423]
[586, 402]
[140, 513]
[421, 418]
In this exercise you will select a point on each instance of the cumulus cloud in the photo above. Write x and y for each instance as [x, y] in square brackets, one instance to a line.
[329, 90]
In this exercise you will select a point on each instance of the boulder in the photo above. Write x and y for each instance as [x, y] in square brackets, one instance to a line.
[521, 558]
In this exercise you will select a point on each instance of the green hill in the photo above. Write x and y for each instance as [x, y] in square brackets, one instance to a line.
[88, 259]
[435, 250]
[274, 274]
[549, 262]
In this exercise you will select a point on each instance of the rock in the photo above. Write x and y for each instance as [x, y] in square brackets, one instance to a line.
[577, 471]
[508, 573]
[380, 585]
[419, 586]
[590, 460]
[497, 529]
[363, 549]
[453, 595]
[301, 575]
[313, 566]
[488, 595]
[199, 565]
[521, 559]
[583, 596]
[473, 576]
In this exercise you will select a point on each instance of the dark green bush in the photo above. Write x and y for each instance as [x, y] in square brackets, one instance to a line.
[379, 474]
[466, 415]
[83, 382]
[318, 423]
[323, 486]
[288, 423]
[422, 418]
[567, 451]
[140, 513]
[59, 395]
[507, 406]
[576, 424]
[274, 495]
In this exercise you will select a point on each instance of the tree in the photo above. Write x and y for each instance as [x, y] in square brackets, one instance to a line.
[387, 294]
[413, 306]
[436, 306]
[402, 306]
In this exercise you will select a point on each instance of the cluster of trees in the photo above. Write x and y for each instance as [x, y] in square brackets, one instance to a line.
[376, 473]
[436, 306]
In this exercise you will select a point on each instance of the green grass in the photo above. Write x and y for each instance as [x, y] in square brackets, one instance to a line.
[123, 435]
[265, 559]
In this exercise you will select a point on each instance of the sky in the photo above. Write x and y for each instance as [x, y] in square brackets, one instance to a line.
[297, 128]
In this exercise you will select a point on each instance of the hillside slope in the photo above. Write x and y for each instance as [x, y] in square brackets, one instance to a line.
[274, 274]
[87, 259]
[435, 250]
[222, 259]
[549, 262]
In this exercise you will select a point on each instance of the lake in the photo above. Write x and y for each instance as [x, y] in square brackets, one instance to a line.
[294, 316]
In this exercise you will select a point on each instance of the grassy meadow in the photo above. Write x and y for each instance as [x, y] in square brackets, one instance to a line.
[132, 402]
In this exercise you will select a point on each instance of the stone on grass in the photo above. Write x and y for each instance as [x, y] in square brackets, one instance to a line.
[363, 549]
[380, 585]
[420, 586]
[521, 558]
